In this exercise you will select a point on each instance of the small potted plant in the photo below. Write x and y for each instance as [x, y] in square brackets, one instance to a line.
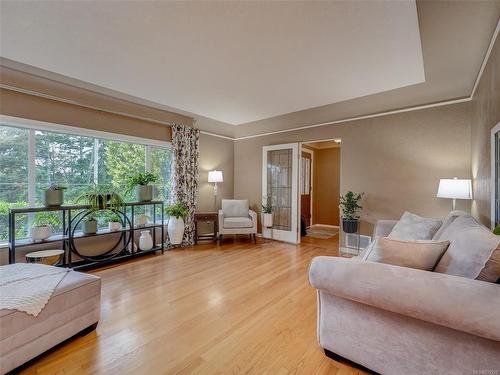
[267, 213]
[90, 223]
[141, 183]
[114, 221]
[176, 212]
[42, 227]
[53, 195]
[349, 204]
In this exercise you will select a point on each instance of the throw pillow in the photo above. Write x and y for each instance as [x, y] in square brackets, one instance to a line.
[421, 254]
[473, 251]
[412, 227]
[447, 222]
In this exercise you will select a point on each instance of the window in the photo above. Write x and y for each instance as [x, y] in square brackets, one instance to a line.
[31, 159]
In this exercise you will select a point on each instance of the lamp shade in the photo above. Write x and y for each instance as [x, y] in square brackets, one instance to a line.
[215, 176]
[454, 188]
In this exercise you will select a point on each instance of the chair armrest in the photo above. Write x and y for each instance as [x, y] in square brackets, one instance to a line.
[383, 228]
[467, 305]
[221, 220]
[253, 215]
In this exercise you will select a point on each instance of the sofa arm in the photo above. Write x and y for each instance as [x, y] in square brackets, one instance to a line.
[463, 304]
[383, 228]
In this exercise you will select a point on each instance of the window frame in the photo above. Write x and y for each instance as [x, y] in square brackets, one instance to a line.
[98, 135]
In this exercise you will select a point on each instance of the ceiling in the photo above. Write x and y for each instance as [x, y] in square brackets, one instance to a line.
[235, 62]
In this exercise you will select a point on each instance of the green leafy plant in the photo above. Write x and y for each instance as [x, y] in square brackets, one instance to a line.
[267, 208]
[100, 197]
[142, 178]
[46, 218]
[55, 186]
[177, 210]
[497, 230]
[111, 216]
[349, 204]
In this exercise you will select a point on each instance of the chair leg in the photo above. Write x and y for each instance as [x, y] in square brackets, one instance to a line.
[254, 238]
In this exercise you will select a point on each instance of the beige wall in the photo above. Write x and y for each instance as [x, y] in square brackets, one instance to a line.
[485, 115]
[215, 152]
[397, 160]
[326, 186]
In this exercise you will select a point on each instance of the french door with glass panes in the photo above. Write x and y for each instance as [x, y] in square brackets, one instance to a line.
[280, 176]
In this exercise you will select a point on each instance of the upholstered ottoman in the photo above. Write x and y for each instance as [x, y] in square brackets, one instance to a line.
[74, 307]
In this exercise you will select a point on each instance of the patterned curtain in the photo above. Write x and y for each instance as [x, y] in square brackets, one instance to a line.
[185, 153]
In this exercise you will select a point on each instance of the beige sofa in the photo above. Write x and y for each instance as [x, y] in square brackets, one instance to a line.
[398, 320]
[73, 308]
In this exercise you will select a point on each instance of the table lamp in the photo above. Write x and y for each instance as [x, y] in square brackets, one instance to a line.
[454, 188]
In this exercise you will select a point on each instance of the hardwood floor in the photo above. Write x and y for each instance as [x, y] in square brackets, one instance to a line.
[234, 308]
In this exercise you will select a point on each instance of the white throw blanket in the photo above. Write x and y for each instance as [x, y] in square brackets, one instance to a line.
[28, 287]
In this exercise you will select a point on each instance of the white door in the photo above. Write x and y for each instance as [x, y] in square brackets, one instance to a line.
[280, 181]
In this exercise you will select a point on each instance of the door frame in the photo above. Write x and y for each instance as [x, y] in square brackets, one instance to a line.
[311, 152]
[277, 234]
[494, 130]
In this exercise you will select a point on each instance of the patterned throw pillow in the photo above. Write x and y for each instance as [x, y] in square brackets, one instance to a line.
[412, 227]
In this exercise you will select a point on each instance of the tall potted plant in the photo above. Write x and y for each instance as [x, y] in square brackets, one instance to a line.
[53, 195]
[267, 213]
[349, 204]
[177, 213]
[141, 183]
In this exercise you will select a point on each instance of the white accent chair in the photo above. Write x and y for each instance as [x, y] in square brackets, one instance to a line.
[236, 217]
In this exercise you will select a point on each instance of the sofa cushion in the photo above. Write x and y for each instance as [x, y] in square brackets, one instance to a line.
[473, 251]
[235, 207]
[412, 227]
[422, 254]
[238, 222]
[446, 223]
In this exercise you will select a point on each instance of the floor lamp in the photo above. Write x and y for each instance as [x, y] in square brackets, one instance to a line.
[454, 188]
[215, 176]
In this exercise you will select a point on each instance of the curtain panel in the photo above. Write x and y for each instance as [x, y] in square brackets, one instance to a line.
[185, 155]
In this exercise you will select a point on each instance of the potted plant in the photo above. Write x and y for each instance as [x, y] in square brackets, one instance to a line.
[497, 230]
[176, 212]
[349, 204]
[42, 227]
[98, 197]
[267, 213]
[140, 182]
[114, 221]
[53, 195]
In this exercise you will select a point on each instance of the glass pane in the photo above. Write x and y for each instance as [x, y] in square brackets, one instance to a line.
[13, 178]
[118, 161]
[161, 164]
[65, 159]
[279, 187]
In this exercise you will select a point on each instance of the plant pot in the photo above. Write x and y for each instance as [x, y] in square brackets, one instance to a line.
[267, 220]
[350, 225]
[144, 193]
[90, 227]
[145, 240]
[53, 197]
[41, 232]
[114, 226]
[141, 220]
[175, 230]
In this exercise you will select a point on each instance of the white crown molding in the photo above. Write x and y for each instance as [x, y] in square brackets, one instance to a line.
[486, 58]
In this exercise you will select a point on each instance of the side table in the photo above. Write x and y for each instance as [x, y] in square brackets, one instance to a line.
[206, 217]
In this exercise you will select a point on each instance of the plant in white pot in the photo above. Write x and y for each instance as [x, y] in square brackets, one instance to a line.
[141, 183]
[176, 212]
[349, 204]
[53, 195]
[43, 225]
[114, 221]
[267, 213]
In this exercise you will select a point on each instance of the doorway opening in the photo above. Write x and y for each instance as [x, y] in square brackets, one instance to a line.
[319, 190]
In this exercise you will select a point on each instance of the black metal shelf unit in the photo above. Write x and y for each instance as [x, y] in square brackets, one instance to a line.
[123, 248]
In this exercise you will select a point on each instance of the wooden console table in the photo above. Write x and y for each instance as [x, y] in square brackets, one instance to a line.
[206, 217]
